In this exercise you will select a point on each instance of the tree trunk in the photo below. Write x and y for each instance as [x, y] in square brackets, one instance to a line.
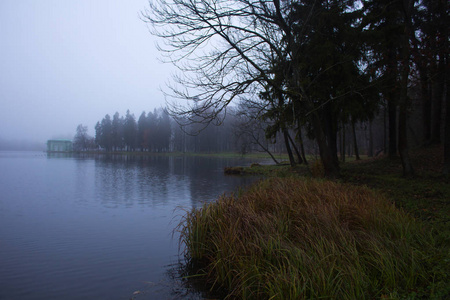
[391, 96]
[370, 152]
[331, 132]
[266, 149]
[447, 128]
[408, 170]
[426, 104]
[392, 116]
[288, 147]
[384, 131]
[268, 152]
[437, 97]
[355, 144]
[403, 101]
[300, 160]
[302, 148]
[329, 159]
[343, 143]
[447, 99]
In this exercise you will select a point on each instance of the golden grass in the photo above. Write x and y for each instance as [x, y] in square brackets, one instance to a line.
[293, 238]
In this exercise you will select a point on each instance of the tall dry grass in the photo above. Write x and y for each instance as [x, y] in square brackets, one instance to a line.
[308, 239]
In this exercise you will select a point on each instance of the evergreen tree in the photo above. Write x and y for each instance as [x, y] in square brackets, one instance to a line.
[105, 132]
[130, 131]
[117, 132]
[98, 133]
[143, 132]
[324, 72]
[164, 130]
[389, 29]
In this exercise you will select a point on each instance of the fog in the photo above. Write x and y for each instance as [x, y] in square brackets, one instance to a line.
[69, 62]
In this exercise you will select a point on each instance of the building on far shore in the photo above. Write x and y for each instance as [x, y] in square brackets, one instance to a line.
[59, 146]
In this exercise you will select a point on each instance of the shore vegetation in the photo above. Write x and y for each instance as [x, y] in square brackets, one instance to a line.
[372, 234]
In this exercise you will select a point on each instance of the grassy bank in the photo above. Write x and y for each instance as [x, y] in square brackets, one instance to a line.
[299, 238]
[426, 196]
[307, 239]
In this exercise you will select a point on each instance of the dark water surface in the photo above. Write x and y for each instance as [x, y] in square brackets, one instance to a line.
[99, 227]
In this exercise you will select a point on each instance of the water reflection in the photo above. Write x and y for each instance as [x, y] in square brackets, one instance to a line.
[59, 155]
[157, 180]
[80, 226]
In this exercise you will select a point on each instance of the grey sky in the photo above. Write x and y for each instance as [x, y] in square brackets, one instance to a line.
[66, 62]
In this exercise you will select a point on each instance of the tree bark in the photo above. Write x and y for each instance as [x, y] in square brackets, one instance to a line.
[270, 153]
[331, 131]
[264, 148]
[447, 128]
[288, 147]
[391, 95]
[384, 131]
[437, 97]
[392, 116]
[426, 104]
[343, 143]
[329, 160]
[302, 148]
[408, 170]
[300, 160]
[447, 97]
[355, 143]
[370, 152]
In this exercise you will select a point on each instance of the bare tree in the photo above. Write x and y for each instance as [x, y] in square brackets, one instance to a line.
[251, 129]
[220, 48]
[81, 139]
[227, 49]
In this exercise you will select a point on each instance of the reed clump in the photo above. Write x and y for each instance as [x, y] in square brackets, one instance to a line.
[293, 238]
[233, 170]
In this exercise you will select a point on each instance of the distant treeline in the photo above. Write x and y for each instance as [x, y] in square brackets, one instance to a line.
[157, 131]
[239, 131]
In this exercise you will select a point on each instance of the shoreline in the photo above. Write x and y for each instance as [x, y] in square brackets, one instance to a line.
[192, 154]
[229, 240]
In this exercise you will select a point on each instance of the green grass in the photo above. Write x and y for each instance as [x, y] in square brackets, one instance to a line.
[294, 238]
[426, 196]
[282, 170]
[252, 155]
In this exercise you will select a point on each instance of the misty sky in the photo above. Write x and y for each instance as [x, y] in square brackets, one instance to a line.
[66, 62]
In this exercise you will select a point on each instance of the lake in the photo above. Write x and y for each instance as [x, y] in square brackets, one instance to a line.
[100, 227]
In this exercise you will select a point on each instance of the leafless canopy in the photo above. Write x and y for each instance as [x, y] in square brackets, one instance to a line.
[223, 50]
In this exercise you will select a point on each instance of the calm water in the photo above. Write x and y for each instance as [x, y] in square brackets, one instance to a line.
[99, 228]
